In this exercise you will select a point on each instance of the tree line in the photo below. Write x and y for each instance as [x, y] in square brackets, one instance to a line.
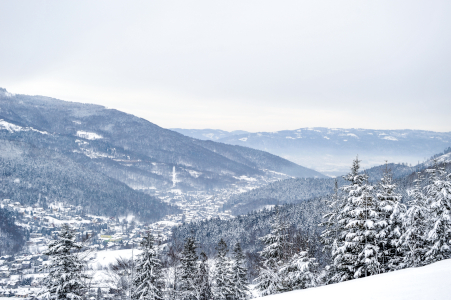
[366, 230]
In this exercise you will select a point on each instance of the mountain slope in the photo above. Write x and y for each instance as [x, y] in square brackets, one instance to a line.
[328, 150]
[32, 175]
[134, 150]
[428, 282]
[208, 134]
[295, 190]
[259, 159]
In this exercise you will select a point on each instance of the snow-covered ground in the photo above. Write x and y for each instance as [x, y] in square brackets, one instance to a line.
[432, 282]
[107, 257]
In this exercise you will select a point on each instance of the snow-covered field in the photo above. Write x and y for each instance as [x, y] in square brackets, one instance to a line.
[432, 282]
[106, 257]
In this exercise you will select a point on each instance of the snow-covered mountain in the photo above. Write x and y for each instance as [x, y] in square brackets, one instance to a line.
[331, 151]
[428, 282]
[96, 157]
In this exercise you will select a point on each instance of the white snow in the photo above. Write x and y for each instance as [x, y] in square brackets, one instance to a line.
[209, 135]
[444, 158]
[57, 222]
[194, 174]
[326, 138]
[243, 139]
[14, 128]
[106, 257]
[390, 138]
[429, 282]
[244, 177]
[353, 135]
[88, 135]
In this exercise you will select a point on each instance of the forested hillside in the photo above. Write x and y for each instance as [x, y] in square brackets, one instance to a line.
[302, 220]
[32, 175]
[361, 229]
[296, 190]
[280, 192]
[133, 150]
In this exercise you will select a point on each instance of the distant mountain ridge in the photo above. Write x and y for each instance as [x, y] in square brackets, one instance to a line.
[329, 150]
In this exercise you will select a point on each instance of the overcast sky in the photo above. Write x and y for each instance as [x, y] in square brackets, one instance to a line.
[250, 65]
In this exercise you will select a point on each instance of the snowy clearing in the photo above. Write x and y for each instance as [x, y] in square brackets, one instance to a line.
[10, 127]
[88, 135]
[429, 282]
[106, 257]
[389, 138]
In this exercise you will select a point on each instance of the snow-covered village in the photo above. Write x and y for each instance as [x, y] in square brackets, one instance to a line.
[225, 150]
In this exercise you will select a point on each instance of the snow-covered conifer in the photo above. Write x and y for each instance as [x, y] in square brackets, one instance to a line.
[415, 223]
[438, 193]
[223, 287]
[273, 257]
[66, 278]
[147, 282]
[300, 272]
[188, 289]
[204, 283]
[240, 290]
[358, 255]
[330, 237]
[330, 223]
[389, 225]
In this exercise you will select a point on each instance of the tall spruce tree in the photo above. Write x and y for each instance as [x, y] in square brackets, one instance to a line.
[188, 289]
[330, 237]
[415, 223]
[438, 193]
[358, 255]
[66, 278]
[204, 282]
[240, 289]
[147, 282]
[273, 255]
[330, 223]
[223, 288]
[389, 226]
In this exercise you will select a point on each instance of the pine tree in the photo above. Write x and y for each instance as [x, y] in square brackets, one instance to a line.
[330, 223]
[223, 277]
[240, 290]
[66, 278]
[99, 294]
[438, 193]
[330, 237]
[415, 223]
[188, 271]
[147, 282]
[358, 255]
[389, 226]
[300, 272]
[273, 257]
[204, 283]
